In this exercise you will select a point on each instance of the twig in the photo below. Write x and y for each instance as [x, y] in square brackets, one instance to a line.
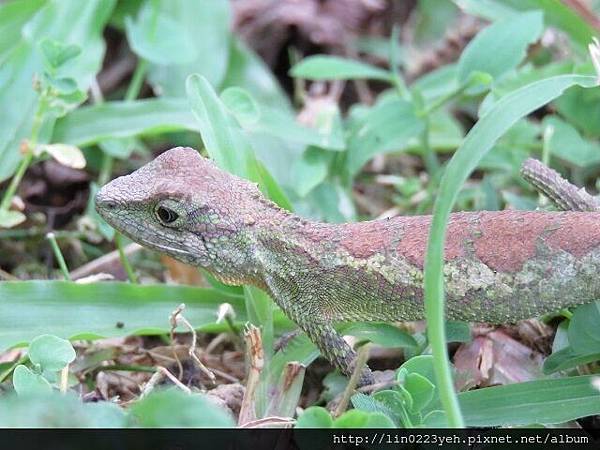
[158, 376]
[98, 263]
[257, 360]
[266, 421]
[177, 316]
[361, 360]
[225, 375]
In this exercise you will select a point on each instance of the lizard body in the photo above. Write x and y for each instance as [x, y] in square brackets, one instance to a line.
[500, 267]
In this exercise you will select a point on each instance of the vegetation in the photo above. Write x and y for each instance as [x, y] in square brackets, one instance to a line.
[418, 120]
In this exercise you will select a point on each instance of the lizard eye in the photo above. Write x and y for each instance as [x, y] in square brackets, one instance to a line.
[168, 213]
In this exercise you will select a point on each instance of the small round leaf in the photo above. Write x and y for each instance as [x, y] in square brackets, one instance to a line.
[28, 383]
[51, 352]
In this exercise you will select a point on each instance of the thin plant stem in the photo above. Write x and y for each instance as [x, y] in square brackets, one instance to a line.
[27, 233]
[38, 119]
[124, 261]
[397, 80]
[15, 181]
[137, 80]
[443, 100]
[127, 368]
[431, 161]
[64, 379]
[59, 256]
[105, 169]
[546, 138]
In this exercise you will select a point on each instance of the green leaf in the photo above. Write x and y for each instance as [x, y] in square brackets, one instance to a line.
[417, 381]
[386, 128]
[13, 16]
[277, 123]
[422, 364]
[481, 138]
[92, 124]
[362, 419]
[310, 170]
[67, 411]
[315, 417]
[60, 85]
[556, 14]
[53, 20]
[329, 201]
[87, 311]
[581, 107]
[434, 18]
[269, 186]
[501, 46]
[222, 140]
[568, 358]
[50, 352]
[540, 401]
[567, 144]
[584, 333]
[157, 36]
[241, 104]
[28, 383]
[382, 334]
[420, 389]
[325, 67]
[247, 70]
[57, 53]
[437, 84]
[173, 408]
[61, 104]
[457, 331]
[206, 30]
[525, 75]
[385, 402]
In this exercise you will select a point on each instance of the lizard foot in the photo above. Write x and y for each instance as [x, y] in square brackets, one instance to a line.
[284, 339]
[366, 377]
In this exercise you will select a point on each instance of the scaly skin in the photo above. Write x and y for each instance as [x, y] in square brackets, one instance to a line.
[500, 267]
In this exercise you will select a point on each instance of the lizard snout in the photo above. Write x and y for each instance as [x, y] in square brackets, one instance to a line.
[104, 201]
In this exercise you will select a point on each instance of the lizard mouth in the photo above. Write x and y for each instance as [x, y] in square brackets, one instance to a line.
[169, 250]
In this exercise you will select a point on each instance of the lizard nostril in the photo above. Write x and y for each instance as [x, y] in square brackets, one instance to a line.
[105, 203]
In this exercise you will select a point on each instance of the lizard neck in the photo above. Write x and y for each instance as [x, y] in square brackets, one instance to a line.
[263, 234]
[286, 243]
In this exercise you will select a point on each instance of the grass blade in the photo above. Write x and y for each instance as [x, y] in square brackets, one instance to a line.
[68, 310]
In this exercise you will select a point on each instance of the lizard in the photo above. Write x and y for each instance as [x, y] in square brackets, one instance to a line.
[500, 266]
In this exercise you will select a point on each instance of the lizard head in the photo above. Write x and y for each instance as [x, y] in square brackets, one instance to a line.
[181, 204]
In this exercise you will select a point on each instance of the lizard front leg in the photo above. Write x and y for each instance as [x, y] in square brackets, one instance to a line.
[310, 317]
[333, 347]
